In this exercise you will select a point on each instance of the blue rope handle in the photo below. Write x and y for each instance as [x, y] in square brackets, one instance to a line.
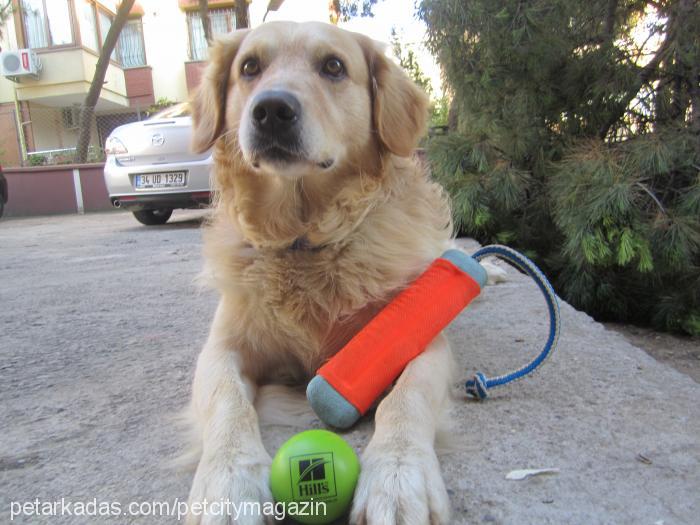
[478, 386]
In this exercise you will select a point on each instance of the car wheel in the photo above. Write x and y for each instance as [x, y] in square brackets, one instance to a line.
[2, 206]
[153, 217]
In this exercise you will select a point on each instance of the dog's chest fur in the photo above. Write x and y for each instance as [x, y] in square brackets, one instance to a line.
[296, 306]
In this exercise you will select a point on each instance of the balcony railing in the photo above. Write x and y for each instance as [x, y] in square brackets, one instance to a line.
[222, 21]
[131, 52]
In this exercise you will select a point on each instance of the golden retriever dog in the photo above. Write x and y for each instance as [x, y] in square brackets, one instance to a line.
[321, 217]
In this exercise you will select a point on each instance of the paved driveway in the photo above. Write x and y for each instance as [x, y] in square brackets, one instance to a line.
[101, 324]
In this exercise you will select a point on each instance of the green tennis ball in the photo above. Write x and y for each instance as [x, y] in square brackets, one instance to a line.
[314, 474]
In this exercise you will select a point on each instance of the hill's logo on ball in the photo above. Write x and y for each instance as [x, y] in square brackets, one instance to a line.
[316, 476]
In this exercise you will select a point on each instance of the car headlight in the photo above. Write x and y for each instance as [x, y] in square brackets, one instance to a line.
[114, 146]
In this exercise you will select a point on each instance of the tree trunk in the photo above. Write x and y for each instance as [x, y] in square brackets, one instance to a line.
[453, 116]
[334, 11]
[204, 17]
[645, 75]
[609, 27]
[242, 14]
[98, 79]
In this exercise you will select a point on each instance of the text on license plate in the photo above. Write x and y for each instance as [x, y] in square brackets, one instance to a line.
[147, 181]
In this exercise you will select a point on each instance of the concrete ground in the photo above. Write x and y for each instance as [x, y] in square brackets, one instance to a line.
[101, 324]
[680, 351]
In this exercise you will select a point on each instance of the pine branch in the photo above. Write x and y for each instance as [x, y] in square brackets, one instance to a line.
[653, 197]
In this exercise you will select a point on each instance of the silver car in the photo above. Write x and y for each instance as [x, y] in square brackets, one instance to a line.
[150, 169]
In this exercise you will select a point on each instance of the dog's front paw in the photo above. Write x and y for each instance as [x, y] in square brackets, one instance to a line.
[495, 274]
[227, 491]
[400, 487]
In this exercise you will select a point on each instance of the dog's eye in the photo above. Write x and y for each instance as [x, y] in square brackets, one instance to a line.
[333, 68]
[250, 67]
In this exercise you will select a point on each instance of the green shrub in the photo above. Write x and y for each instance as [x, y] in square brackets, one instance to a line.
[579, 146]
[36, 160]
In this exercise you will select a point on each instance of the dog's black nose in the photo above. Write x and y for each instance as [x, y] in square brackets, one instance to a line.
[276, 111]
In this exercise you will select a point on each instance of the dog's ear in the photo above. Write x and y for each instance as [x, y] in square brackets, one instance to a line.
[399, 105]
[208, 104]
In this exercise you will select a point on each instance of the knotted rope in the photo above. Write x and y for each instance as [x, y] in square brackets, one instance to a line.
[478, 386]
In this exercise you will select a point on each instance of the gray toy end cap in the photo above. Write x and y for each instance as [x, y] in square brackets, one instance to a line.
[468, 265]
[332, 408]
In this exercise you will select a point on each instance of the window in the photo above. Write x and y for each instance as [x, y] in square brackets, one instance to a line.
[47, 23]
[88, 30]
[94, 25]
[105, 22]
[222, 21]
[131, 52]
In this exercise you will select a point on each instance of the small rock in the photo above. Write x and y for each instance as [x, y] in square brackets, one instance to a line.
[643, 459]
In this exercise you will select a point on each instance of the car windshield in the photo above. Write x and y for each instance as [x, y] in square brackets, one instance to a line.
[178, 110]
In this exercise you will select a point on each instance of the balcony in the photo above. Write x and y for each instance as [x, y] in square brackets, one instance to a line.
[66, 76]
[139, 86]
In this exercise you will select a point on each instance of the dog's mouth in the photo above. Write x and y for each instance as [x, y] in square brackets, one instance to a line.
[280, 156]
[277, 155]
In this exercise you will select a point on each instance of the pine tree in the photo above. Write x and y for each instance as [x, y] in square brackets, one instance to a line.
[578, 142]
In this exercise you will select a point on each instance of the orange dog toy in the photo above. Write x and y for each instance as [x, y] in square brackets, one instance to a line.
[347, 385]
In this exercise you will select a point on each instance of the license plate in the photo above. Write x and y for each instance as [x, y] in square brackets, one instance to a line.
[152, 181]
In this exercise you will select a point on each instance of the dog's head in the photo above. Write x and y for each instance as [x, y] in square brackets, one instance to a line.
[300, 99]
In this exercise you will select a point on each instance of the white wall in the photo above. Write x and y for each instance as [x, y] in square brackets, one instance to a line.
[7, 43]
[165, 36]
